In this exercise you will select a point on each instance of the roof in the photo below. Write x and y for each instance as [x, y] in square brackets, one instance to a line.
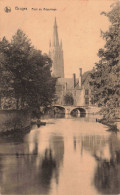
[85, 76]
[69, 81]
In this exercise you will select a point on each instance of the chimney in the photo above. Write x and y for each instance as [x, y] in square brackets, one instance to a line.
[74, 80]
[80, 78]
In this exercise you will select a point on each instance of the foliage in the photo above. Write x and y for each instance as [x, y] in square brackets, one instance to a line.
[25, 73]
[106, 77]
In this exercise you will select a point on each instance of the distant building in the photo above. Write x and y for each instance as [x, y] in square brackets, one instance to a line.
[76, 89]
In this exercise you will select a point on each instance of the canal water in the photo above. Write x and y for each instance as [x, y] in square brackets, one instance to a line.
[68, 156]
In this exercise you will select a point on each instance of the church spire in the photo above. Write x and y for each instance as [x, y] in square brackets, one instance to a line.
[56, 54]
[55, 35]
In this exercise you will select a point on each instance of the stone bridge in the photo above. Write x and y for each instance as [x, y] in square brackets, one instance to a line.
[71, 109]
[84, 110]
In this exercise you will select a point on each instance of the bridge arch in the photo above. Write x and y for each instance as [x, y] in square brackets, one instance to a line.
[78, 111]
[59, 107]
[56, 109]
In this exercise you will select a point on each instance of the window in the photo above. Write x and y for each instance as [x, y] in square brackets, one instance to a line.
[87, 101]
[86, 91]
[92, 100]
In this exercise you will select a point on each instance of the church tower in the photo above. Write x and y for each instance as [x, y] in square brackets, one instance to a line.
[56, 54]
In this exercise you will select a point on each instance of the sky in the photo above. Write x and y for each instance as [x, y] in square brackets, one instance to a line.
[79, 25]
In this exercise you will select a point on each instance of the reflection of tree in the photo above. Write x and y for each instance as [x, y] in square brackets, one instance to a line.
[57, 143]
[107, 175]
[32, 170]
[16, 137]
[93, 143]
[26, 177]
[107, 155]
[47, 168]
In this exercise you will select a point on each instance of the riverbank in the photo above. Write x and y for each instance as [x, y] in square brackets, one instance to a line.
[114, 125]
[14, 121]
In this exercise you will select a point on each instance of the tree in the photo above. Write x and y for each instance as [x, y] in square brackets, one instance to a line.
[29, 72]
[6, 89]
[106, 77]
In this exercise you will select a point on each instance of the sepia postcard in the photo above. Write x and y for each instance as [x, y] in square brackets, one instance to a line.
[59, 97]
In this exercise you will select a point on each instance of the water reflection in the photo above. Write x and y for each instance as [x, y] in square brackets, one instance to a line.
[28, 168]
[78, 112]
[54, 115]
[106, 152]
[107, 175]
[62, 157]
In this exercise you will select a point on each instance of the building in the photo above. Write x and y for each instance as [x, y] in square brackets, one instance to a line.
[69, 91]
